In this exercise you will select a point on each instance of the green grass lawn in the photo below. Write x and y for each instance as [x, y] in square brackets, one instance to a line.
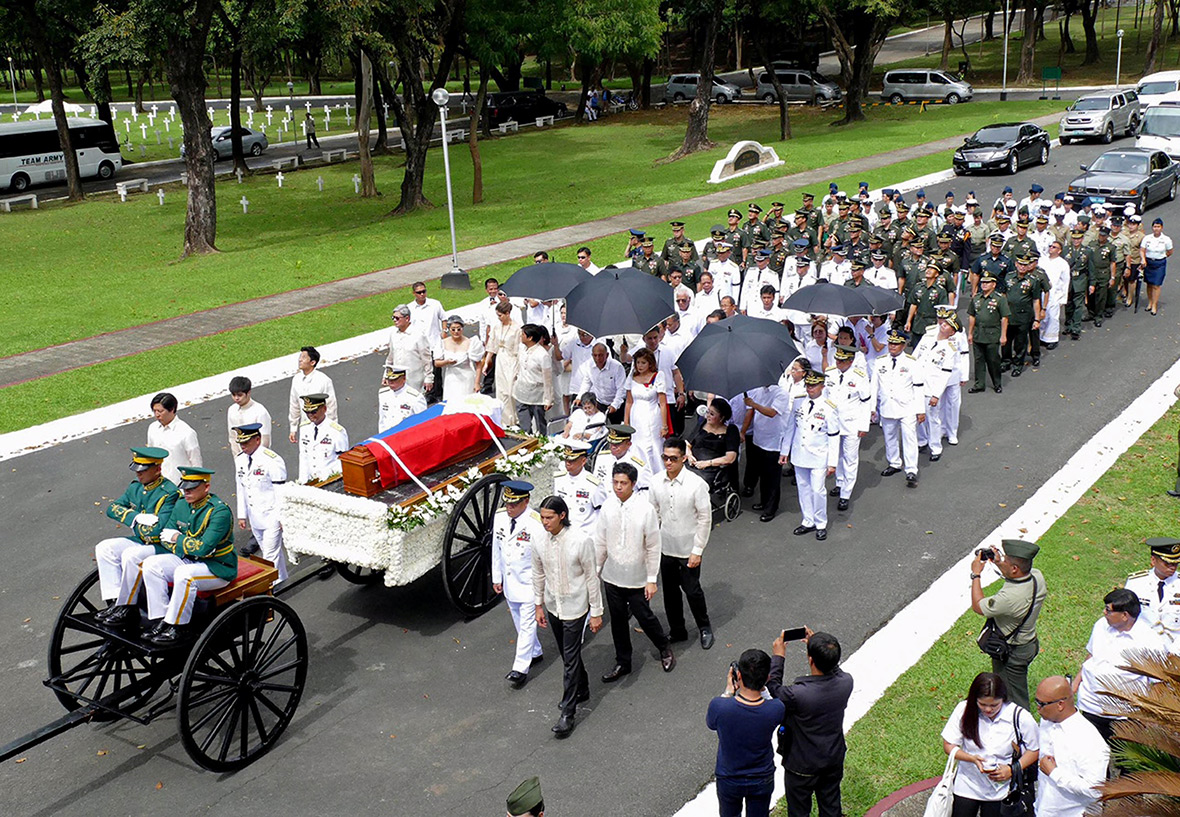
[294, 237]
[987, 58]
[1085, 554]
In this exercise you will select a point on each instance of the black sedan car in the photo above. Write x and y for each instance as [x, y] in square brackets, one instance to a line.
[1134, 175]
[1008, 147]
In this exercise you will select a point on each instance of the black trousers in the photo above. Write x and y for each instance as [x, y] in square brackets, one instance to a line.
[624, 602]
[987, 358]
[677, 576]
[824, 785]
[575, 682]
[1019, 332]
[763, 470]
[966, 807]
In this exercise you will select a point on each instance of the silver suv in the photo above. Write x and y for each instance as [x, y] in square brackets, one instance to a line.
[1101, 115]
[684, 86]
[799, 86]
[916, 84]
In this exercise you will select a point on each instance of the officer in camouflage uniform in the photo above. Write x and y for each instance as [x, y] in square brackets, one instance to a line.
[1081, 276]
[1024, 304]
[987, 331]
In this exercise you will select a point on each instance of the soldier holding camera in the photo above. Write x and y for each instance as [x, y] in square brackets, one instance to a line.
[1011, 612]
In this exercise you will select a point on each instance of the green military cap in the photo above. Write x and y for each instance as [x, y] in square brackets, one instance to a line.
[987, 276]
[717, 232]
[144, 457]
[1165, 547]
[754, 208]
[778, 234]
[676, 223]
[1026, 258]
[1077, 232]
[808, 196]
[996, 238]
[192, 476]
[883, 210]
[687, 248]
[1020, 548]
[858, 263]
[618, 433]
[800, 213]
[844, 205]
[1084, 218]
[845, 352]
[312, 402]
[777, 205]
[814, 377]
[648, 241]
[933, 265]
[248, 432]
[909, 232]
[734, 213]
[877, 237]
[1022, 220]
[922, 212]
[516, 490]
[525, 797]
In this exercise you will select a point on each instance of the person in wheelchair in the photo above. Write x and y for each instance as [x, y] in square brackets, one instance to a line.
[713, 447]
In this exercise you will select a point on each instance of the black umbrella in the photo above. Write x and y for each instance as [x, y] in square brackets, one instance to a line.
[884, 301]
[736, 355]
[830, 299]
[617, 302]
[545, 282]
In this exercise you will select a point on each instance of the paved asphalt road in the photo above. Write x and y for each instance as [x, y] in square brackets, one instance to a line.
[406, 711]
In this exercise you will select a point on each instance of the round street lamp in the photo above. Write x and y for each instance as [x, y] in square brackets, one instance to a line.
[456, 278]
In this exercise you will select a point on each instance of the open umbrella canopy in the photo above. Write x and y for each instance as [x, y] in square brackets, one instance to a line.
[737, 354]
[545, 282]
[830, 299]
[884, 301]
[619, 302]
[46, 107]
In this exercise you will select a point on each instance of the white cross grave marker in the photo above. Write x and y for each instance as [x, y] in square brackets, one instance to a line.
[135, 113]
[308, 105]
[279, 178]
[209, 110]
[245, 205]
[356, 184]
[143, 130]
[319, 183]
[160, 195]
[238, 173]
[123, 194]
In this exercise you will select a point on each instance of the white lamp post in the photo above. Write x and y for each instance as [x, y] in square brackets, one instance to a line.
[456, 278]
[1004, 81]
[12, 76]
[1118, 63]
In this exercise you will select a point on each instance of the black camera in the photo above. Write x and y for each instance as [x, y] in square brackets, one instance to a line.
[986, 554]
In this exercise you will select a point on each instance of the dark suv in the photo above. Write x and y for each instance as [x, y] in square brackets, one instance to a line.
[521, 106]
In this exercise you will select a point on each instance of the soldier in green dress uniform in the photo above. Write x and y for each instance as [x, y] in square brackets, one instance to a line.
[802, 229]
[144, 508]
[678, 240]
[1106, 262]
[647, 261]
[753, 227]
[779, 252]
[815, 219]
[709, 251]
[1020, 244]
[923, 299]
[987, 331]
[1024, 303]
[1081, 278]
[776, 219]
[923, 232]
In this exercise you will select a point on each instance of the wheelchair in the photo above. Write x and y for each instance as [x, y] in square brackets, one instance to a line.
[723, 493]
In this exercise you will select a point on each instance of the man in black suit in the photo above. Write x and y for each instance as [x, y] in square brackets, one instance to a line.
[812, 743]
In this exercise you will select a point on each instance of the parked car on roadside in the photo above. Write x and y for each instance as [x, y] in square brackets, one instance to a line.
[253, 142]
[1007, 146]
[1100, 115]
[799, 86]
[1160, 128]
[521, 106]
[684, 86]
[1153, 87]
[1128, 176]
[918, 84]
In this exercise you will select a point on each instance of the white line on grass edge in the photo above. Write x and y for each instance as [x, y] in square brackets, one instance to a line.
[898, 645]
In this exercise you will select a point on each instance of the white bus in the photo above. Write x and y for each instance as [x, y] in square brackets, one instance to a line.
[1160, 129]
[30, 152]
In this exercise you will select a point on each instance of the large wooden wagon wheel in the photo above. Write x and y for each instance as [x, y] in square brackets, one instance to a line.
[467, 547]
[87, 665]
[242, 683]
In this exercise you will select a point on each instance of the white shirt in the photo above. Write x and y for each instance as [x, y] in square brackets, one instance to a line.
[180, 441]
[592, 268]
[578, 355]
[881, 276]
[752, 288]
[609, 384]
[852, 392]
[580, 423]
[836, 272]
[767, 432]
[1058, 271]
[565, 576]
[256, 476]
[727, 279]
[1081, 756]
[427, 320]
[534, 377]
[995, 746]
[315, 383]
[686, 517]
[1156, 247]
[411, 351]
[763, 313]
[253, 412]
[512, 552]
[627, 542]
[1108, 650]
[319, 450]
[1042, 239]
[665, 364]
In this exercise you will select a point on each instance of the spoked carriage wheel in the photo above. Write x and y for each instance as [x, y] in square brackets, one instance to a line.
[467, 547]
[87, 664]
[358, 575]
[242, 683]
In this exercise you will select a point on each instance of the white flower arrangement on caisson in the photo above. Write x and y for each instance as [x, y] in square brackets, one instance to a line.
[405, 541]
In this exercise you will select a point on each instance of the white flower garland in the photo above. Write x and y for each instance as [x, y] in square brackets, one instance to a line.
[402, 541]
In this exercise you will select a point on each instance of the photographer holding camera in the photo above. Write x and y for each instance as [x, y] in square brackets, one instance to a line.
[1010, 635]
[811, 740]
[745, 721]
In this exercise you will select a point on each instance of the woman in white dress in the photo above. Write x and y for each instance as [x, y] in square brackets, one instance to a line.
[504, 346]
[647, 408]
[462, 361]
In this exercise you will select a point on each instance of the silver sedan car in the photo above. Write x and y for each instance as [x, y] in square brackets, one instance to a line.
[253, 142]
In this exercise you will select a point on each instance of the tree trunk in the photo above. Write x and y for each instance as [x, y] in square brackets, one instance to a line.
[363, 114]
[856, 57]
[184, 55]
[1154, 45]
[1089, 16]
[381, 146]
[139, 91]
[1067, 45]
[696, 135]
[37, 79]
[948, 42]
[989, 26]
[48, 59]
[584, 94]
[1028, 46]
[473, 139]
[130, 84]
[784, 118]
[645, 87]
[103, 103]
[235, 107]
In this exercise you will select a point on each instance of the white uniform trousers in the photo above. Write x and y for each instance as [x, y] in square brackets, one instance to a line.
[270, 542]
[813, 495]
[109, 555]
[528, 647]
[949, 404]
[905, 432]
[848, 465]
[187, 578]
[929, 431]
[130, 580]
[1051, 326]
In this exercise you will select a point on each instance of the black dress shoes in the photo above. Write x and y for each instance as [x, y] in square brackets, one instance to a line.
[766, 517]
[821, 534]
[935, 457]
[582, 697]
[615, 674]
[517, 679]
[890, 471]
[1036, 361]
[802, 529]
[564, 726]
[911, 480]
[999, 389]
[975, 390]
[834, 492]
[168, 634]
[747, 492]
[842, 505]
[101, 615]
[757, 506]
[122, 616]
[706, 638]
[668, 660]
[1017, 371]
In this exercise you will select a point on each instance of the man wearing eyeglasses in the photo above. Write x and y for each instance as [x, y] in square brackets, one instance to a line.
[1073, 758]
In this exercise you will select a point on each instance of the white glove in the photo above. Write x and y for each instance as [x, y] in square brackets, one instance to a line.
[169, 535]
[146, 519]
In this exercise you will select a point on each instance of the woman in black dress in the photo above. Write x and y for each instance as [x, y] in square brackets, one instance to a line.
[714, 446]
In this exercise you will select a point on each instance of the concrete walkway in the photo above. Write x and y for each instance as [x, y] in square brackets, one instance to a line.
[123, 343]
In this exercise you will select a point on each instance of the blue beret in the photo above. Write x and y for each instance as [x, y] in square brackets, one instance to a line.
[1036, 188]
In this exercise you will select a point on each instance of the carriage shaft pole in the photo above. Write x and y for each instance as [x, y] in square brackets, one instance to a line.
[47, 732]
